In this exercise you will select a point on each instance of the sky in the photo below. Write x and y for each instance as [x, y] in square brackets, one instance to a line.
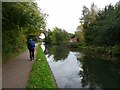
[65, 14]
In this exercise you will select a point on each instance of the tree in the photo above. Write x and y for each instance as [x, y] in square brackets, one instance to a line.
[19, 21]
[88, 18]
[101, 27]
[57, 36]
[79, 33]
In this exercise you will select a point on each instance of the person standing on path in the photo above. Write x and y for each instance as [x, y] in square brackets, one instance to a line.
[31, 46]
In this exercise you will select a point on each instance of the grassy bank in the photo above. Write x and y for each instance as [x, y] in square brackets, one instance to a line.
[103, 52]
[108, 50]
[111, 50]
[41, 75]
[108, 53]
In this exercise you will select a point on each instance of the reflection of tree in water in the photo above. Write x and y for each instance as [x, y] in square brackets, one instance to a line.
[99, 73]
[58, 52]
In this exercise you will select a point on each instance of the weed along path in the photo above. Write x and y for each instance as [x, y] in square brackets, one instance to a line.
[15, 73]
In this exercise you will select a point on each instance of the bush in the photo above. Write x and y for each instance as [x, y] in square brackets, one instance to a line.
[12, 43]
[74, 45]
[99, 49]
[115, 50]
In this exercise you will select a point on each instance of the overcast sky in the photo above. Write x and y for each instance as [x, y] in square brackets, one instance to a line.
[65, 14]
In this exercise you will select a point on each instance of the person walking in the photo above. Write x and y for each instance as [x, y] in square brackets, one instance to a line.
[31, 47]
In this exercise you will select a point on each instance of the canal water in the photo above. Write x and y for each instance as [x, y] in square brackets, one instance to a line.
[75, 69]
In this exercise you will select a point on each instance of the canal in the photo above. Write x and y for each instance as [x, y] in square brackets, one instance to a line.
[74, 69]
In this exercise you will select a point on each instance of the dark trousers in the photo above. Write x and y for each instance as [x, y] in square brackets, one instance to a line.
[31, 51]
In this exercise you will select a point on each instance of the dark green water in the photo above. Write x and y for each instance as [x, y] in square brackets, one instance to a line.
[74, 69]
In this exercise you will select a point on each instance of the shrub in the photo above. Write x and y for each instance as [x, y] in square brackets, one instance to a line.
[115, 50]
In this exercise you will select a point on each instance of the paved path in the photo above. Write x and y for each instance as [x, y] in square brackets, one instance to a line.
[15, 73]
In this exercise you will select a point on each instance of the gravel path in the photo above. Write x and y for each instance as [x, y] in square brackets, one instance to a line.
[15, 73]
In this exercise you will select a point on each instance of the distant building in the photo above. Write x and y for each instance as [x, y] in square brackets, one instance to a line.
[73, 39]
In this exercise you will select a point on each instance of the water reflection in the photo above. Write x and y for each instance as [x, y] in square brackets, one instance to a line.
[58, 52]
[99, 73]
[73, 69]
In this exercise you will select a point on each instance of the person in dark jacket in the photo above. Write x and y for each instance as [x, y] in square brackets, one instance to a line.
[31, 46]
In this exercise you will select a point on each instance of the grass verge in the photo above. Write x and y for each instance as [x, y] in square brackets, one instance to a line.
[111, 50]
[41, 75]
[108, 53]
